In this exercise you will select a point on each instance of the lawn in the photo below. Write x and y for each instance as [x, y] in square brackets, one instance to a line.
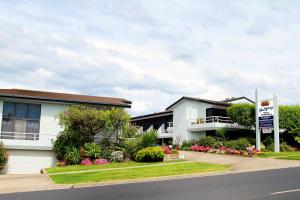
[111, 174]
[291, 155]
[73, 168]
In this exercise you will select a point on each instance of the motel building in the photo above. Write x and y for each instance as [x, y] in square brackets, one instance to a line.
[29, 125]
[190, 118]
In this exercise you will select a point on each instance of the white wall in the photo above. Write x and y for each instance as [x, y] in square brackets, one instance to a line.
[49, 127]
[184, 111]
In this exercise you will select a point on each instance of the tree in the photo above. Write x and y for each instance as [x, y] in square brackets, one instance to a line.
[243, 114]
[289, 117]
[80, 124]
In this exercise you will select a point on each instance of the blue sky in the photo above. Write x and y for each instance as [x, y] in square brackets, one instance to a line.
[152, 52]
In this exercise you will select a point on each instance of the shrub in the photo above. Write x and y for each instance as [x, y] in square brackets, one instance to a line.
[167, 150]
[100, 162]
[148, 139]
[86, 161]
[131, 147]
[174, 151]
[68, 139]
[209, 141]
[239, 144]
[3, 156]
[186, 144]
[73, 156]
[106, 153]
[243, 114]
[117, 156]
[150, 154]
[92, 150]
[284, 147]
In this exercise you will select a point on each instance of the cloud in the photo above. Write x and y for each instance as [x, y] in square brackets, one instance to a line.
[152, 52]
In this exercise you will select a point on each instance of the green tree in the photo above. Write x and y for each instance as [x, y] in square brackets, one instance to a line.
[80, 124]
[243, 114]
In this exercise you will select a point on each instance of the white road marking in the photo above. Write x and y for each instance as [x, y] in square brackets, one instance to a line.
[286, 191]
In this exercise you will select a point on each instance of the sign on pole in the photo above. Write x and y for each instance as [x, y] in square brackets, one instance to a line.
[267, 119]
[266, 113]
[257, 123]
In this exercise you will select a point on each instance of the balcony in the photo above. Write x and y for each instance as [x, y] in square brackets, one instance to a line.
[165, 130]
[170, 127]
[212, 123]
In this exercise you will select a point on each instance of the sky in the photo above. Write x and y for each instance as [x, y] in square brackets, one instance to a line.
[152, 52]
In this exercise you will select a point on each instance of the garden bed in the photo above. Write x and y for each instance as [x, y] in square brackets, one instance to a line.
[112, 171]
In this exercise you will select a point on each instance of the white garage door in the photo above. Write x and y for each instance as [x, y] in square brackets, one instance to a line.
[29, 161]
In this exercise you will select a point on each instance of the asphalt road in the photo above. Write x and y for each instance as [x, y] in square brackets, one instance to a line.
[262, 185]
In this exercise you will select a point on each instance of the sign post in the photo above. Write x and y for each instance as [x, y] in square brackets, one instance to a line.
[257, 121]
[267, 119]
[276, 125]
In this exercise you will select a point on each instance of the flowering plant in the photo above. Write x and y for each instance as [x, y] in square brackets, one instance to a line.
[167, 150]
[86, 161]
[101, 162]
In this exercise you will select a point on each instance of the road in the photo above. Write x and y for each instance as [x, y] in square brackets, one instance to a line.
[262, 185]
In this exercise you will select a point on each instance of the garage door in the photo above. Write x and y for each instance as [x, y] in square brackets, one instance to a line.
[29, 161]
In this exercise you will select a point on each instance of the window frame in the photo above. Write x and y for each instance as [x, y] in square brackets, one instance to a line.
[21, 135]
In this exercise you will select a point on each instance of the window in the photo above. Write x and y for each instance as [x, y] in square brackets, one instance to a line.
[20, 121]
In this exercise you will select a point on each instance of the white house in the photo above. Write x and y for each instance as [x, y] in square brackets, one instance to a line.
[189, 118]
[29, 125]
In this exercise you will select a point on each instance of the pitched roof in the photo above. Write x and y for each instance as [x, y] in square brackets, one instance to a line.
[221, 103]
[63, 97]
[157, 114]
[238, 98]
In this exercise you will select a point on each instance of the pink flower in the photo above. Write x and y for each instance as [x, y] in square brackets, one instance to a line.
[101, 162]
[86, 161]
[167, 150]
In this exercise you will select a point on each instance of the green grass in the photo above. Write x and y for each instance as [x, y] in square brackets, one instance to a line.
[282, 155]
[136, 173]
[297, 157]
[73, 168]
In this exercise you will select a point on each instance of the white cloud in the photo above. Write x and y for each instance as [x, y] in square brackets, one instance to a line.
[152, 52]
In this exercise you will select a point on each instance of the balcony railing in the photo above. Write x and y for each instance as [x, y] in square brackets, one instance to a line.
[19, 136]
[211, 119]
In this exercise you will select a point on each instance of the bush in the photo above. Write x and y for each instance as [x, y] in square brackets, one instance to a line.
[174, 151]
[209, 141]
[148, 139]
[284, 147]
[3, 156]
[131, 147]
[68, 139]
[86, 161]
[106, 153]
[186, 144]
[117, 156]
[73, 156]
[243, 114]
[101, 162]
[150, 154]
[92, 150]
[239, 144]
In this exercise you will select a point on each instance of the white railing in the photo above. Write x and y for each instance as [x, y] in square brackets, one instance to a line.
[211, 119]
[25, 136]
[170, 124]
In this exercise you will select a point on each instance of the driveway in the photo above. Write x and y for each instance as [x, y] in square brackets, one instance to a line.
[23, 183]
[238, 163]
